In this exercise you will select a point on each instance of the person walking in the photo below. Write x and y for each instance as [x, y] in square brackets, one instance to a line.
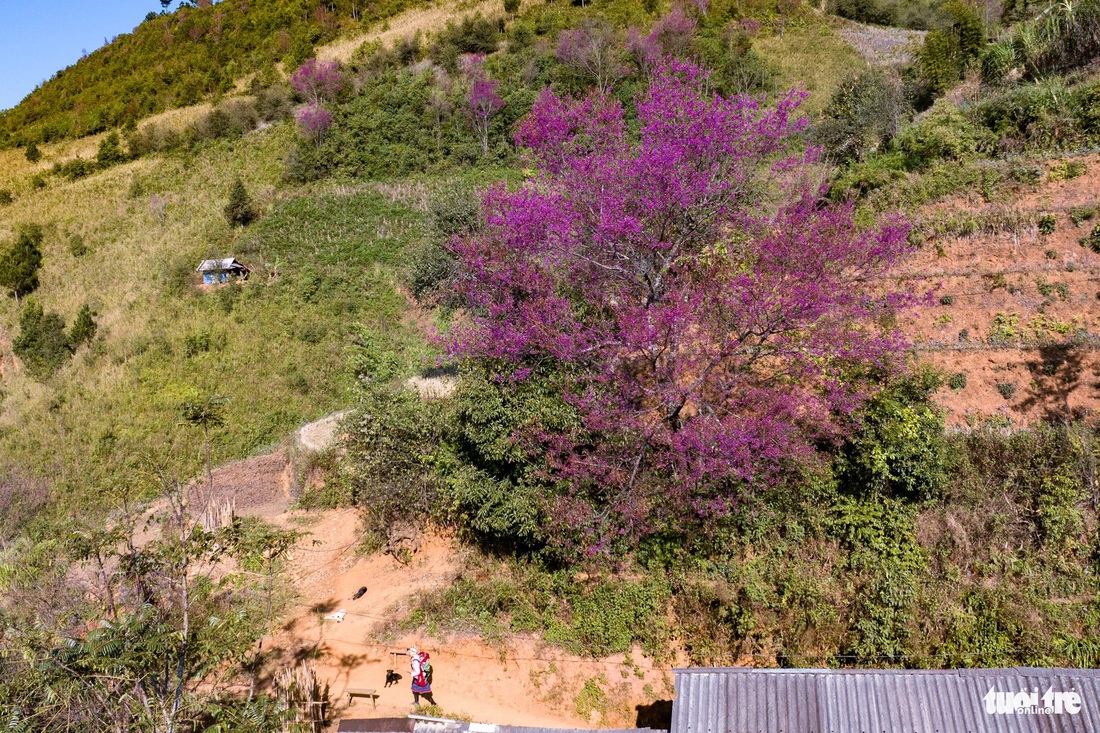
[421, 675]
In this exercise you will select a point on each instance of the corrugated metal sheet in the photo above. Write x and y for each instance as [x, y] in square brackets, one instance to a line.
[228, 263]
[880, 701]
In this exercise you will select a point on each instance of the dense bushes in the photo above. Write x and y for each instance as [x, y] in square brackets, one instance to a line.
[42, 343]
[20, 262]
[865, 112]
[915, 14]
[841, 572]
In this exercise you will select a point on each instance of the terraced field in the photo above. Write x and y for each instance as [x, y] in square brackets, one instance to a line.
[1014, 316]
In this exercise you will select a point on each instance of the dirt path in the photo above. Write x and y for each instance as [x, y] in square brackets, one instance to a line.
[520, 681]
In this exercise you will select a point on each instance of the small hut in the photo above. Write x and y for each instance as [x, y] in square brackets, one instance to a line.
[221, 271]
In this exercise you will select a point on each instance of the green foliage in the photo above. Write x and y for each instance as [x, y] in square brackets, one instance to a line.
[1006, 389]
[32, 153]
[943, 133]
[430, 266]
[586, 617]
[42, 343]
[1047, 224]
[110, 151]
[6, 199]
[900, 448]
[1085, 212]
[879, 535]
[393, 439]
[914, 14]
[84, 327]
[948, 51]
[997, 60]
[947, 300]
[19, 263]
[1067, 170]
[957, 381]
[239, 211]
[495, 480]
[864, 113]
[474, 34]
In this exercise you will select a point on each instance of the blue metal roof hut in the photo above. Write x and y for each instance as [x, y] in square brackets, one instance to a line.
[221, 271]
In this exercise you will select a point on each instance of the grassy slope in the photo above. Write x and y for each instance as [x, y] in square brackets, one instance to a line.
[278, 352]
[814, 56]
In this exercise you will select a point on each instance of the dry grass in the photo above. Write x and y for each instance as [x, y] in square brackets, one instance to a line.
[880, 46]
[429, 19]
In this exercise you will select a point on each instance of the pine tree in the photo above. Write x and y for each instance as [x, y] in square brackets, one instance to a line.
[239, 210]
[84, 327]
[19, 265]
[42, 343]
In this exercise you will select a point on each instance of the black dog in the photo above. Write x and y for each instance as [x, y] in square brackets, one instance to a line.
[392, 678]
[359, 593]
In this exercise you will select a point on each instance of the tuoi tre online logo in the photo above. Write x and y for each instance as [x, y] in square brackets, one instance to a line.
[1031, 703]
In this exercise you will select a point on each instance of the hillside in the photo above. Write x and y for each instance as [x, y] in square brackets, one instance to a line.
[171, 60]
[848, 421]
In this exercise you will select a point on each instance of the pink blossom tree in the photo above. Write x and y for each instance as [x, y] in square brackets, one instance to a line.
[318, 81]
[675, 32]
[593, 50]
[482, 102]
[702, 339]
[313, 122]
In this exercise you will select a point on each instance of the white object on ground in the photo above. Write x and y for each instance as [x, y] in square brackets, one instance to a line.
[337, 617]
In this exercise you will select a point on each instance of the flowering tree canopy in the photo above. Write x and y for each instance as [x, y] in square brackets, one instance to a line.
[702, 338]
[313, 122]
[483, 102]
[318, 81]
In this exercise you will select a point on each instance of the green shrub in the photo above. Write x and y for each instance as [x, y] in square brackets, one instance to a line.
[1092, 241]
[915, 14]
[84, 327]
[957, 381]
[110, 151]
[947, 300]
[899, 448]
[1034, 114]
[997, 60]
[1006, 389]
[77, 246]
[1080, 214]
[1067, 170]
[19, 263]
[943, 133]
[1047, 224]
[42, 343]
[863, 113]
[32, 153]
[879, 536]
[239, 210]
[5, 197]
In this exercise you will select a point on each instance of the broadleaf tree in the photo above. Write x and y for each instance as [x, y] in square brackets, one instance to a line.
[704, 314]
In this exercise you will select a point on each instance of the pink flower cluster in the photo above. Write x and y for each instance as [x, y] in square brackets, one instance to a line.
[704, 339]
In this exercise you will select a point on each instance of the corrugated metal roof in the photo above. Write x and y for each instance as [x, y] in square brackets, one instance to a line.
[228, 263]
[747, 700]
